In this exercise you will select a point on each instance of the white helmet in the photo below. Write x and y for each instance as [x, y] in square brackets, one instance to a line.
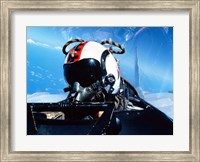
[89, 62]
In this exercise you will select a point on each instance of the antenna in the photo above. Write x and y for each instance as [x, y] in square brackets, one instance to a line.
[137, 75]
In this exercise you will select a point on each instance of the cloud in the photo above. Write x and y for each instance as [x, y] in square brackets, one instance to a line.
[32, 73]
[58, 48]
[64, 34]
[30, 41]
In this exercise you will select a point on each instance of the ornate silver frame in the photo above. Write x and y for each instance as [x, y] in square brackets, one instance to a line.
[193, 6]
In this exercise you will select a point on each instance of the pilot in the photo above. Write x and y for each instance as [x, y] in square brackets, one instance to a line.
[92, 73]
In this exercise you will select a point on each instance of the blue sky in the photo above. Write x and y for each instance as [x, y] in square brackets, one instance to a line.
[154, 48]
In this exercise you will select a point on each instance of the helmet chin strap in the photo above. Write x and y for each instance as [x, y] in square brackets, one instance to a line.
[84, 94]
[92, 92]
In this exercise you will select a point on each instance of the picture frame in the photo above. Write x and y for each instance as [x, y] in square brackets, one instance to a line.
[8, 7]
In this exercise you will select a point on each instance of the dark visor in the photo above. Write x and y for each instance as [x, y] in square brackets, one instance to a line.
[86, 72]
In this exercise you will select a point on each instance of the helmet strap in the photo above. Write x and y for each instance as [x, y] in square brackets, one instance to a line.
[108, 80]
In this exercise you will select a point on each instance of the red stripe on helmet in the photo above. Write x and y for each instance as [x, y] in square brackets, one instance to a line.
[74, 54]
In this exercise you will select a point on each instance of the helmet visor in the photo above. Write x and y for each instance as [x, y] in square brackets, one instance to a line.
[85, 71]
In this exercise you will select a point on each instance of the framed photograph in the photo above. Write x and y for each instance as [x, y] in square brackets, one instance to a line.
[135, 88]
[102, 80]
